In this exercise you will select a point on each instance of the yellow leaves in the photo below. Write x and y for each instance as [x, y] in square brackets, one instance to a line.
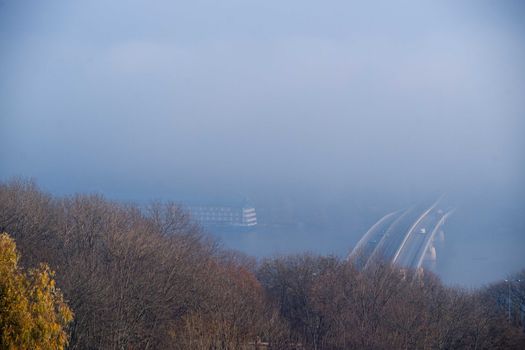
[8, 258]
[33, 314]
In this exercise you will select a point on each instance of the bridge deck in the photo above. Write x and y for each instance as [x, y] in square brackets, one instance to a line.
[401, 238]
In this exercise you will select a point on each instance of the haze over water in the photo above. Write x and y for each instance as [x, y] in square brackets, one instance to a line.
[325, 115]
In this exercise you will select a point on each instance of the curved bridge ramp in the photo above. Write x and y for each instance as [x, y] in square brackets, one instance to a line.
[404, 238]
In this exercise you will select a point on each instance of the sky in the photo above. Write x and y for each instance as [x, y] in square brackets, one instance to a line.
[171, 99]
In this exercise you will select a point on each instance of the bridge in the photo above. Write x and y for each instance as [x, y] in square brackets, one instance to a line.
[405, 238]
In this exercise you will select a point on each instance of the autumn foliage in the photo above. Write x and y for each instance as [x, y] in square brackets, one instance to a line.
[149, 278]
[33, 314]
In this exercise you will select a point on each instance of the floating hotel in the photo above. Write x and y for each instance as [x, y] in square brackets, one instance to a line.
[224, 216]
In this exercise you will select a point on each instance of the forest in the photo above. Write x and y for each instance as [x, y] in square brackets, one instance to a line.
[150, 278]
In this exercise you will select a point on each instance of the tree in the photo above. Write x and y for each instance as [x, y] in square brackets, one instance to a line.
[33, 314]
[288, 282]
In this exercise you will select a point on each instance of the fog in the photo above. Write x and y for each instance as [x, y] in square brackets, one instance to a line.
[334, 111]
